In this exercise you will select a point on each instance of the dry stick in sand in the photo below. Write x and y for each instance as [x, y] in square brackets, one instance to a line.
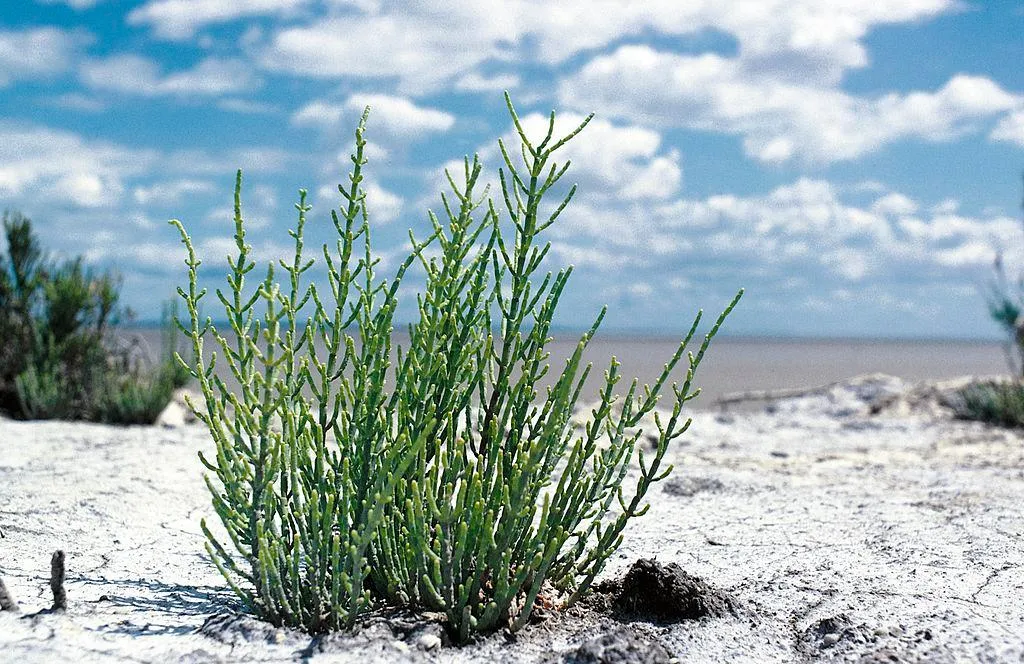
[60, 598]
[7, 602]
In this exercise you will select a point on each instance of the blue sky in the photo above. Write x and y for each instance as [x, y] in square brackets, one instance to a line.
[854, 165]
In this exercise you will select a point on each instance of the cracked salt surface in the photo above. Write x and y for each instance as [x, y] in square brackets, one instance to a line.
[842, 535]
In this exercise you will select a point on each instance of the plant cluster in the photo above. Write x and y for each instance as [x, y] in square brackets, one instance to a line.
[1006, 307]
[440, 475]
[57, 360]
[995, 402]
[1000, 403]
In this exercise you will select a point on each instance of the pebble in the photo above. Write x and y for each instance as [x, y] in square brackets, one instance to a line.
[428, 642]
[830, 639]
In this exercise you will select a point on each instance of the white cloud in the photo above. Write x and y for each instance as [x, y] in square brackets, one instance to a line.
[259, 209]
[319, 114]
[180, 19]
[135, 75]
[778, 119]
[947, 206]
[620, 162]
[37, 52]
[224, 163]
[476, 82]
[409, 44]
[87, 189]
[399, 117]
[802, 228]
[247, 107]
[216, 249]
[413, 41]
[78, 102]
[1010, 128]
[894, 204]
[77, 5]
[392, 117]
[38, 163]
[171, 192]
[382, 205]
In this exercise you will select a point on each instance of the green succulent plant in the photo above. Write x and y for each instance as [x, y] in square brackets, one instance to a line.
[441, 475]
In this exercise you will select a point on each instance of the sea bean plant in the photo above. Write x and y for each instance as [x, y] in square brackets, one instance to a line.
[438, 474]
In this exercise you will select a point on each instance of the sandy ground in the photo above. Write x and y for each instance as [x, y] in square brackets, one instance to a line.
[841, 534]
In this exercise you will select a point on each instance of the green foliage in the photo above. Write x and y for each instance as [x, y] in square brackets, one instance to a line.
[999, 403]
[1005, 306]
[56, 319]
[174, 372]
[459, 488]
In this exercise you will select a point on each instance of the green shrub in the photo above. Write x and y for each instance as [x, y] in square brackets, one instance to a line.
[999, 403]
[56, 362]
[1005, 305]
[459, 488]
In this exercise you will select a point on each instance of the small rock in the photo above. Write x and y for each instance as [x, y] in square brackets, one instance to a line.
[172, 416]
[428, 642]
[829, 640]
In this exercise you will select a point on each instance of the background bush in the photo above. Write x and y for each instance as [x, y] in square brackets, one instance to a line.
[60, 359]
[999, 403]
[460, 488]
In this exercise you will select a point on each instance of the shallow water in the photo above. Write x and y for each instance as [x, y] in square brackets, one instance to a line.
[735, 364]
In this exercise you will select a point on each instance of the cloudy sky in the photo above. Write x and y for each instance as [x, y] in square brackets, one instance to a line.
[854, 165]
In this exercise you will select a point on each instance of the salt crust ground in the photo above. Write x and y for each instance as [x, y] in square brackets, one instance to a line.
[843, 535]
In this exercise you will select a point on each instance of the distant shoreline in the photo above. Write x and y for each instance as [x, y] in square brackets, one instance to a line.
[640, 335]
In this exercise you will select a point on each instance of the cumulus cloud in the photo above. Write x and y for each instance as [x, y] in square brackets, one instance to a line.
[383, 205]
[894, 204]
[412, 42]
[36, 52]
[390, 116]
[777, 119]
[476, 82]
[180, 19]
[803, 228]
[135, 75]
[618, 161]
[171, 192]
[1010, 128]
[49, 164]
[400, 117]
[319, 114]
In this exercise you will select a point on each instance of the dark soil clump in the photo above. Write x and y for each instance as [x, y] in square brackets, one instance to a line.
[665, 593]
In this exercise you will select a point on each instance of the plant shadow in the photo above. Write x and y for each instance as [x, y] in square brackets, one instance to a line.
[157, 608]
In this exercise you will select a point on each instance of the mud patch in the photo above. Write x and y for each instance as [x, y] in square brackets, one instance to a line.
[684, 487]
